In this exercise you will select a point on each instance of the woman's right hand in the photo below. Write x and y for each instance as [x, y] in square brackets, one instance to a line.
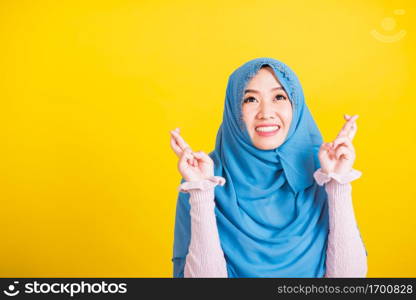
[193, 166]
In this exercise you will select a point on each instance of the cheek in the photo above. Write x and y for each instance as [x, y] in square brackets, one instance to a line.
[247, 115]
[287, 114]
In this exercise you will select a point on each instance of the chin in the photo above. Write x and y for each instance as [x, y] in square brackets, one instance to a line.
[269, 143]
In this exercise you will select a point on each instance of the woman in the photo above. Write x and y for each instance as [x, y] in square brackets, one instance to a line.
[283, 206]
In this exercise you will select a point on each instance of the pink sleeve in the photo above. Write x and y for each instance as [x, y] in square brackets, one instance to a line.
[346, 254]
[205, 257]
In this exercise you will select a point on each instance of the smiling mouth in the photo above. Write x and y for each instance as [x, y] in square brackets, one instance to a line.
[267, 131]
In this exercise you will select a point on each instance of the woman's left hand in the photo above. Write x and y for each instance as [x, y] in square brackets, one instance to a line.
[339, 155]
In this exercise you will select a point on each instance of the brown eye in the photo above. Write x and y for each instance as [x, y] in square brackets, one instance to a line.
[282, 97]
[248, 99]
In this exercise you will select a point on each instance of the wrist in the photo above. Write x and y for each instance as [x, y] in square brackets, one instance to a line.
[195, 179]
[322, 178]
[202, 184]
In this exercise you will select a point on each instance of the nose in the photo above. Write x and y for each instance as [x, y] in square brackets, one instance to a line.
[267, 111]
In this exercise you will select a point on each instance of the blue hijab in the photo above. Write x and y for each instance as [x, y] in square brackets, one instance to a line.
[272, 216]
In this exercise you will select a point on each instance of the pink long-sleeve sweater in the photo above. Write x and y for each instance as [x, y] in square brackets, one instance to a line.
[346, 254]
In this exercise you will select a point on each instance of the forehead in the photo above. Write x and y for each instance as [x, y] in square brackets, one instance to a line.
[264, 77]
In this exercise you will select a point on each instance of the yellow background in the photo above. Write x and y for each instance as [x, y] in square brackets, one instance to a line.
[90, 89]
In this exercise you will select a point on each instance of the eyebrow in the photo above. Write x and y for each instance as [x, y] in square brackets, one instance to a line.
[257, 92]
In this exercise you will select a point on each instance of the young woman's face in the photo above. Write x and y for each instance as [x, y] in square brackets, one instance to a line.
[266, 103]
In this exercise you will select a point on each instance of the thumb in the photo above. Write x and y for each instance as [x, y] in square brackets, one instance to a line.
[201, 155]
[186, 154]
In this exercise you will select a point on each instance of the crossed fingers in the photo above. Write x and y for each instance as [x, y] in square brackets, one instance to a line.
[350, 127]
[179, 145]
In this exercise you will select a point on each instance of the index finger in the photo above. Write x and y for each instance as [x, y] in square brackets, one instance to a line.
[180, 141]
[174, 145]
[347, 126]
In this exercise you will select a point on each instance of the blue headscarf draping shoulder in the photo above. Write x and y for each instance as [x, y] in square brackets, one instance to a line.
[272, 216]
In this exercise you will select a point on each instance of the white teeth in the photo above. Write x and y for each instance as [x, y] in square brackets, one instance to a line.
[267, 129]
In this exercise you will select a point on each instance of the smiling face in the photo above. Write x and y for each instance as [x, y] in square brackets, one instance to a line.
[266, 103]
